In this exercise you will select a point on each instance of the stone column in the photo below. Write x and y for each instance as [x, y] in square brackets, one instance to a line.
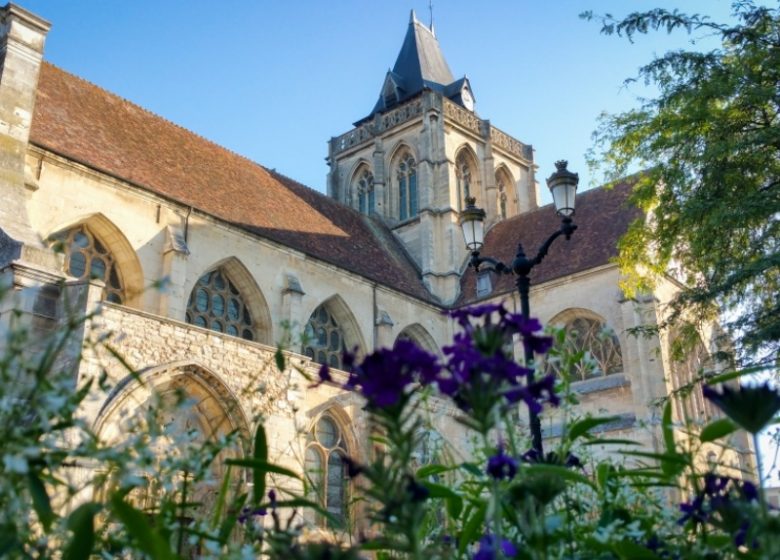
[22, 36]
[292, 294]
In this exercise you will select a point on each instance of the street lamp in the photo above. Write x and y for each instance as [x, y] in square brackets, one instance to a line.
[563, 186]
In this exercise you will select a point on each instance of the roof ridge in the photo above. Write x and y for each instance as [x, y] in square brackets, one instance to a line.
[155, 115]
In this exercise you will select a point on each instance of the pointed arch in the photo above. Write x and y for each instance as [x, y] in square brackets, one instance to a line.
[467, 177]
[404, 181]
[182, 406]
[330, 439]
[331, 329]
[588, 332]
[362, 196]
[127, 285]
[691, 362]
[214, 402]
[420, 336]
[240, 293]
[506, 193]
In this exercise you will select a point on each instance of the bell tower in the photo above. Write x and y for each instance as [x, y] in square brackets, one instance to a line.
[421, 150]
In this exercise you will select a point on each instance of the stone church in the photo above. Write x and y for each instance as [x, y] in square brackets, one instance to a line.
[249, 259]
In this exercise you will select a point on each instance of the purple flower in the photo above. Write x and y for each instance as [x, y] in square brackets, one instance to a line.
[501, 465]
[248, 513]
[720, 499]
[489, 547]
[384, 376]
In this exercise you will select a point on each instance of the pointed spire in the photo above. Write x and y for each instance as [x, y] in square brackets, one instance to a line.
[420, 65]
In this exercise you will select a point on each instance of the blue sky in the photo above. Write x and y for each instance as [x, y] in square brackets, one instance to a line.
[274, 80]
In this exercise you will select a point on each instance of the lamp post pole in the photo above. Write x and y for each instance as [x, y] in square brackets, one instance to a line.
[563, 184]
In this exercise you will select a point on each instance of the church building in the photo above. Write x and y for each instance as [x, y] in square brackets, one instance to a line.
[199, 262]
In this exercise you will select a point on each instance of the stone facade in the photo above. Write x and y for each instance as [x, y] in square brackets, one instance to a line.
[146, 234]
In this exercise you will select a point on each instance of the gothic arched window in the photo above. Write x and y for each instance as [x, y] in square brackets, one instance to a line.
[407, 187]
[325, 466]
[464, 177]
[87, 257]
[365, 193]
[323, 338]
[689, 370]
[600, 347]
[215, 303]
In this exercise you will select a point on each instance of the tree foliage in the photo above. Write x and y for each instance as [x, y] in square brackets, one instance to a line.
[710, 145]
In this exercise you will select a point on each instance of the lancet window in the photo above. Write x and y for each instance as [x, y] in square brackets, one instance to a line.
[406, 176]
[86, 257]
[689, 371]
[215, 303]
[324, 338]
[325, 467]
[365, 193]
[600, 347]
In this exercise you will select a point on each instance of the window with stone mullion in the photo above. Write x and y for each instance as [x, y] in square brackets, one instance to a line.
[407, 188]
[87, 258]
[599, 345]
[216, 304]
[325, 468]
[324, 339]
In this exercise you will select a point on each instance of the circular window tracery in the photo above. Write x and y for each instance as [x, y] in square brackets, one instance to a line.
[87, 258]
[216, 304]
[599, 344]
[324, 339]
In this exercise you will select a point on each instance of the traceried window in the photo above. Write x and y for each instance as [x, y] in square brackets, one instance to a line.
[326, 469]
[215, 303]
[463, 176]
[504, 186]
[365, 193]
[406, 176]
[600, 345]
[87, 257]
[323, 338]
[689, 371]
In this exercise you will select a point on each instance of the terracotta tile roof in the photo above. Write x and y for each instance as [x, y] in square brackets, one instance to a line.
[603, 215]
[80, 121]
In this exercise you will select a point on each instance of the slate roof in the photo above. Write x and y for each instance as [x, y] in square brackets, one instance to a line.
[82, 122]
[602, 216]
[420, 65]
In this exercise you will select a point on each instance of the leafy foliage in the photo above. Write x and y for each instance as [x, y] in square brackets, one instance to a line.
[710, 147]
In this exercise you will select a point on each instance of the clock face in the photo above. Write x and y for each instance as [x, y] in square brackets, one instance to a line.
[468, 101]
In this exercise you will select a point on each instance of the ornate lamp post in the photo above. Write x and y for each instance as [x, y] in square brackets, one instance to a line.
[563, 185]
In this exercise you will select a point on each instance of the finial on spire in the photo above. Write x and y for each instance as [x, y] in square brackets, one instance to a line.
[412, 17]
[430, 9]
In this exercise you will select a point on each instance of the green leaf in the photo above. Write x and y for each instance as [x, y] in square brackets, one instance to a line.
[583, 426]
[260, 454]
[431, 470]
[262, 467]
[472, 469]
[280, 360]
[559, 471]
[717, 429]
[439, 490]
[610, 441]
[40, 499]
[472, 528]
[147, 538]
[667, 428]
[628, 550]
[82, 523]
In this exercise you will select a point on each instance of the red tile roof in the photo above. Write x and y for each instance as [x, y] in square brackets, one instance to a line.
[85, 123]
[602, 217]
